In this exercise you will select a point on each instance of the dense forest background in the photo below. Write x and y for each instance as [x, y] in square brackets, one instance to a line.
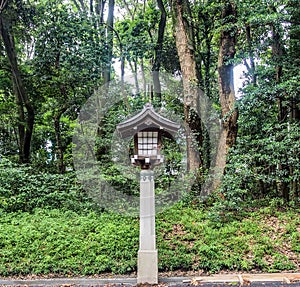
[56, 54]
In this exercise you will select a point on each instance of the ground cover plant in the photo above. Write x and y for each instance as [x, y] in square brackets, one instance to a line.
[67, 243]
[55, 55]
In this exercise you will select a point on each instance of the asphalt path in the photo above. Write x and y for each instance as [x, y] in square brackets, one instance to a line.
[131, 283]
[256, 284]
[218, 280]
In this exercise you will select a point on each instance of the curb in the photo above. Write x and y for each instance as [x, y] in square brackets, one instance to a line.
[247, 279]
[68, 282]
[233, 279]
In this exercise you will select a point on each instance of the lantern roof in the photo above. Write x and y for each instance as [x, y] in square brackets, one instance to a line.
[146, 119]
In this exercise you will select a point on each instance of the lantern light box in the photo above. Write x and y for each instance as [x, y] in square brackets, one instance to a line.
[147, 128]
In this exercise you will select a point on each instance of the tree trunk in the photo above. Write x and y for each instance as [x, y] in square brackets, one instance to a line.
[60, 149]
[158, 50]
[204, 37]
[133, 68]
[294, 52]
[294, 63]
[226, 85]
[59, 146]
[277, 53]
[142, 67]
[250, 68]
[26, 111]
[186, 51]
[109, 40]
[99, 9]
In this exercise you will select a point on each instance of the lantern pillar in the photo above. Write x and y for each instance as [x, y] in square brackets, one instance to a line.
[147, 127]
[147, 254]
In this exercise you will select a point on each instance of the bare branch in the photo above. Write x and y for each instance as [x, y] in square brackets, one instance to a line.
[3, 4]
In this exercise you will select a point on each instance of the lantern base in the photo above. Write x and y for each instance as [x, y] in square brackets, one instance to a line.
[147, 162]
[147, 267]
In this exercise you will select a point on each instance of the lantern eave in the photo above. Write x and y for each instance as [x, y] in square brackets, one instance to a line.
[145, 119]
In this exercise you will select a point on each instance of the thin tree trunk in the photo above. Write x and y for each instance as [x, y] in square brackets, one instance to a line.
[144, 79]
[251, 69]
[277, 53]
[294, 60]
[60, 149]
[109, 42]
[3, 4]
[294, 52]
[134, 72]
[124, 94]
[99, 9]
[59, 146]
[158, 50]
[26, 119]
[226, 86]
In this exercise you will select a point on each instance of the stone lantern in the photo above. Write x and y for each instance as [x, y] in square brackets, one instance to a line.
[147, 129]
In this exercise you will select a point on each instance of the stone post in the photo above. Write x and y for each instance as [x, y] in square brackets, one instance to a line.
[147, 254]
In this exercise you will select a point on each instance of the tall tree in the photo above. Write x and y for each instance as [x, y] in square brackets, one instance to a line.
[109, 40]
[277, 55]
[226, 82]
[68, 68]
[184, 37]
[26, 114]
[158, 49]
[206, 15]
[293, 77]
[293, 57]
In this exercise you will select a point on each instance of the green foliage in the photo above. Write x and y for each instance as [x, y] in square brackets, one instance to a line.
[22, 189]
[8, 146]
[47, 221]
[263, 167]
[188, 239]
[67, 243]
[265, 158]
[134, 34]
[68, 61]
[60, 242]
[74, 53]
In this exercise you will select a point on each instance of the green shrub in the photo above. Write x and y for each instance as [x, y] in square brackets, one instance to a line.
[60, 242]
[68, 243]
[21, 189]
